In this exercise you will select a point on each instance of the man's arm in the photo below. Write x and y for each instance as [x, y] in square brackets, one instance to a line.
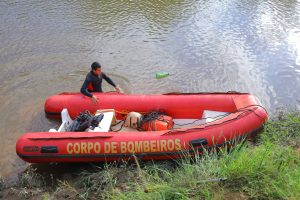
[108, 80]
[84, 88]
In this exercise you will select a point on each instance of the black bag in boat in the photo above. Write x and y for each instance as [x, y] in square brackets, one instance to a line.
[85, 120]
[95, 121]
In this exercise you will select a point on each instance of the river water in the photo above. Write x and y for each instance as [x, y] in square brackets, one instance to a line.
[46, 47]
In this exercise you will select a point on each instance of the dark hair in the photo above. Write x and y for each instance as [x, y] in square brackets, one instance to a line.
[95, 65]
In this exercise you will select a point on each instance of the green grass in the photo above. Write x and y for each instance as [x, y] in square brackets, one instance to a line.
[30, 179]
[2, 183]
[266, 169]
[264, 172]
[285, 130]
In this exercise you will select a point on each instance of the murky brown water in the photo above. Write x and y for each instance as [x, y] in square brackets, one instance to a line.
[46, 47]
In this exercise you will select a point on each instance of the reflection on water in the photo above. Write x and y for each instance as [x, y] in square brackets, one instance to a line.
[47, 47]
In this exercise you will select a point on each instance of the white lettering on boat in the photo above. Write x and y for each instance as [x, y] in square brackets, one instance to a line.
[124, 147]
[83, 147]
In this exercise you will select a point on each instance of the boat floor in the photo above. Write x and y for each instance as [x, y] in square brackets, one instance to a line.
[105, 125]
[178, 123]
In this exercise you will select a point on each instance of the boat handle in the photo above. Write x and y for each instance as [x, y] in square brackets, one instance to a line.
[49, 149]
[198, 142]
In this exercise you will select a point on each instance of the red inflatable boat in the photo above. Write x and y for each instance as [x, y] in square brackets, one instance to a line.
[202, 120]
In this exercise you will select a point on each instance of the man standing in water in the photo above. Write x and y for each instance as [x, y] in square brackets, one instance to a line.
[93, 82]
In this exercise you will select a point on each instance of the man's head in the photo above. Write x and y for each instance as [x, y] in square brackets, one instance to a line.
[96, 68]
